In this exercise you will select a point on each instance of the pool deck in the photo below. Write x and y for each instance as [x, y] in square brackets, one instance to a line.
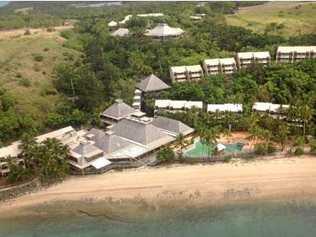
[198, 149]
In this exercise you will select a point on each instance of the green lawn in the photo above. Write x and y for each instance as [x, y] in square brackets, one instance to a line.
[26, 71]
[297, 17]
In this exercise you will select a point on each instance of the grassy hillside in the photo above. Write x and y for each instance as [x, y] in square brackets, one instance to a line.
[26, 70]
[297, 18]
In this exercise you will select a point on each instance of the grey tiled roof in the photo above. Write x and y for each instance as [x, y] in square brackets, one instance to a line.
[87, 150]
[152, 83]
[144, 133]
[172, 125]
[108, 142]
[118, 110]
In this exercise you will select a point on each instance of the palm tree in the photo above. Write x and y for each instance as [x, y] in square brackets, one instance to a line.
[306, 114]
[180, 140]
[209, 137]
[282, 134]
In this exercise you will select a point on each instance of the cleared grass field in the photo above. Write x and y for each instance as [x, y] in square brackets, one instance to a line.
[26, 71]
[297, 17]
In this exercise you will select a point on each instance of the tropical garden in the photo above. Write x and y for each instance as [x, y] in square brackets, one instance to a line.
[109, 67]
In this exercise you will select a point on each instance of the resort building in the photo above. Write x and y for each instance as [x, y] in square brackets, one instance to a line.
[120, 32]
[219, 66]
[125, 20]
[112, 24]
[129, 143]
[290, 54]
[152, 84]
[151, 15]
[220, 108]
[162, 31]
[197, 17]
[178, 74]
[269, 108]
[128, 17]
[66, 136]
[194, 72]
[86, 156]
[186, 73]
[116, 112]
[176, 105]
[244, 59]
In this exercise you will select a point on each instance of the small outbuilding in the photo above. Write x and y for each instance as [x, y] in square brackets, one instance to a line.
[112, 24]
[120, 32]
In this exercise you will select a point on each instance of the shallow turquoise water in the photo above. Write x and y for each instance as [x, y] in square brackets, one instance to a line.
[288, 219]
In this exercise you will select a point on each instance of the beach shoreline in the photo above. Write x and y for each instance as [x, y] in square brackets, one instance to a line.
[184, 185]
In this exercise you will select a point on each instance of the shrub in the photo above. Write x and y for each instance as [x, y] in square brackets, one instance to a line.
[25, 82]
[260, 149]
[313, 146]
[38, 57]
[227, 159]
[271, 148]
[299, 151]
[27, 32]
[166, 155]
[47, 90]
[50, 29]
[18, 173]
[46, 49]
[36, 68]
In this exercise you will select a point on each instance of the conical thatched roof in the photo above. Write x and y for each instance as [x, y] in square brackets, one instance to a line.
[163, 30]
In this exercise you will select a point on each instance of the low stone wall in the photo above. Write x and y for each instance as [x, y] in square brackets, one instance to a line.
[218, 158]
[18, 190]
[227, 157]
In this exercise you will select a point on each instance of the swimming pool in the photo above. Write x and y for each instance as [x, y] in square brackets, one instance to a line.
[201, 150]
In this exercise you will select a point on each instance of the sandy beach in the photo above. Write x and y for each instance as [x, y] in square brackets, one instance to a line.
[235, 181]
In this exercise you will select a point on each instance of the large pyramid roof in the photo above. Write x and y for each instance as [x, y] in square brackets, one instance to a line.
[152, 83]
[118, 110]
[164, 30]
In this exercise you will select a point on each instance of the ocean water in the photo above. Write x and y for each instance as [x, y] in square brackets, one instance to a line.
[3, 3]
[281, 219]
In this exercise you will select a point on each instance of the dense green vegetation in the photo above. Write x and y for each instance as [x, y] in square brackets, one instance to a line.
[46, 161]
[109, 68]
